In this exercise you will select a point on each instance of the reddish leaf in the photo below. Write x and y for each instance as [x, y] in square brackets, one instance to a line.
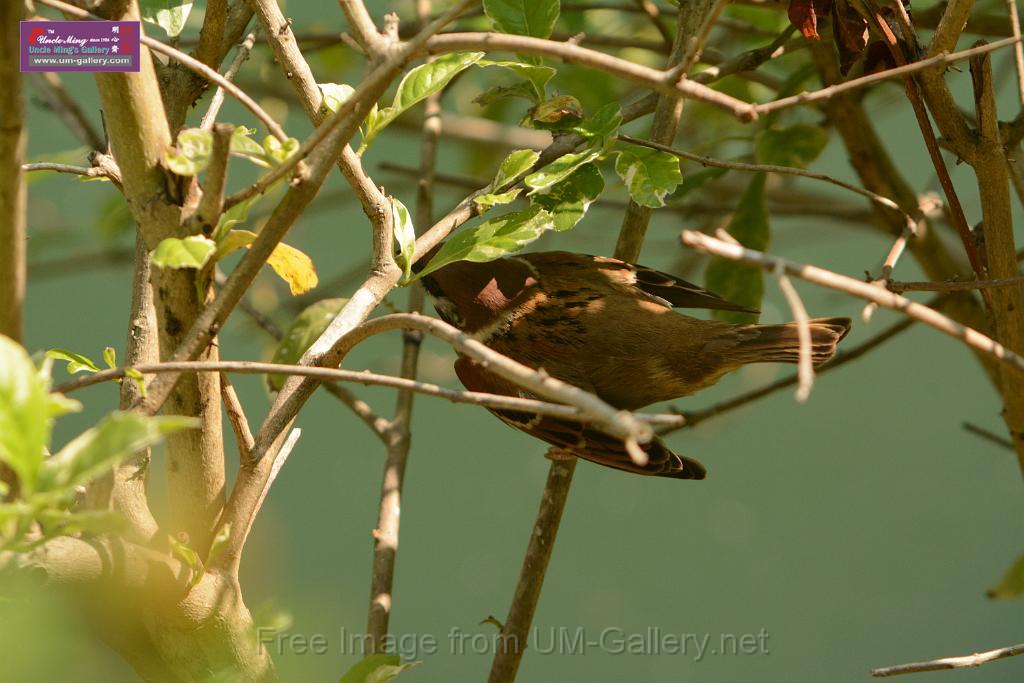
[804, 15]
[850, 32]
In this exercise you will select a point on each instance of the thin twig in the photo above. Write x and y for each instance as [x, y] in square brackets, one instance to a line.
[87, 172]
[514, 633]
[766, 168]
[399, 437]
[660, 81]
[805, 366]
[217, 100]
[952, 285]
[496, 401]
[1018, 48]
[863, 290]
[989, 435]
[236, 416]
[913, 90]
[964, 662]
[831, 91]
[68, 110]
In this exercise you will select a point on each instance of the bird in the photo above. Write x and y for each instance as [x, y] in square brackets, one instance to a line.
[609, 327]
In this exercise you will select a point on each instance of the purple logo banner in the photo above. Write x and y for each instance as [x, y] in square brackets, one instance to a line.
[80, 45]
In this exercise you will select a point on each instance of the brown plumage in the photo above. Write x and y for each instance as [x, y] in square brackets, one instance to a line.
[608, 327]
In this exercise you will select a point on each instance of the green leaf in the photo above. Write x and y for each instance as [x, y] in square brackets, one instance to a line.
[244, 146]
[492, 239]
[526, 17]
[277, 151]
[534, 75]
[417, 85]
[569, 200]
[335, 95]
[798, 145]
[604, 123]
[562, 167]
[191, 154]
[110, 357]
[116, 438]
[220, 541]
[486, 202]
[137, 377]
[188, 555]
[514, 165]
[236, 214]
[27, 410]
[378, 668]
[649, 174]
[300, 335]
[170, 15]
[737, 282]
[1012, 583]
[193, 251]
[405, 236]
[76, 361]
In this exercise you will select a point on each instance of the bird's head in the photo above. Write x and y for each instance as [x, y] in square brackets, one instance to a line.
[472, 295]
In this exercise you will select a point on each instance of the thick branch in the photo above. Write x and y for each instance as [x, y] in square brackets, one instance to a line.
[12, 178]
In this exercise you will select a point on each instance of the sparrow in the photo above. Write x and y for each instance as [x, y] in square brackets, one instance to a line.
[608, 327]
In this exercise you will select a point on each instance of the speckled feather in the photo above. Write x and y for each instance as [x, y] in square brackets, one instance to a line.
[608, 327]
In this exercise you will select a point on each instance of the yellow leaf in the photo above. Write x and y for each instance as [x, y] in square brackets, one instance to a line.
[291, 265]
[294, 267]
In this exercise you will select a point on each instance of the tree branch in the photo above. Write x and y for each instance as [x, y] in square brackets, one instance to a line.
[12, 178]
[857, 288]
[977, 659]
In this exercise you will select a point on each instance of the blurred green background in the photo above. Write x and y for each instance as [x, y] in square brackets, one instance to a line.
[859, 529]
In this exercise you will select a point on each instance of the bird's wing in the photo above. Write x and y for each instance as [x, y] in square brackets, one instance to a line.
[668, 290]
[578, 438]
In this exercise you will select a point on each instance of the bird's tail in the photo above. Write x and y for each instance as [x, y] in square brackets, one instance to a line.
[781, 343]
